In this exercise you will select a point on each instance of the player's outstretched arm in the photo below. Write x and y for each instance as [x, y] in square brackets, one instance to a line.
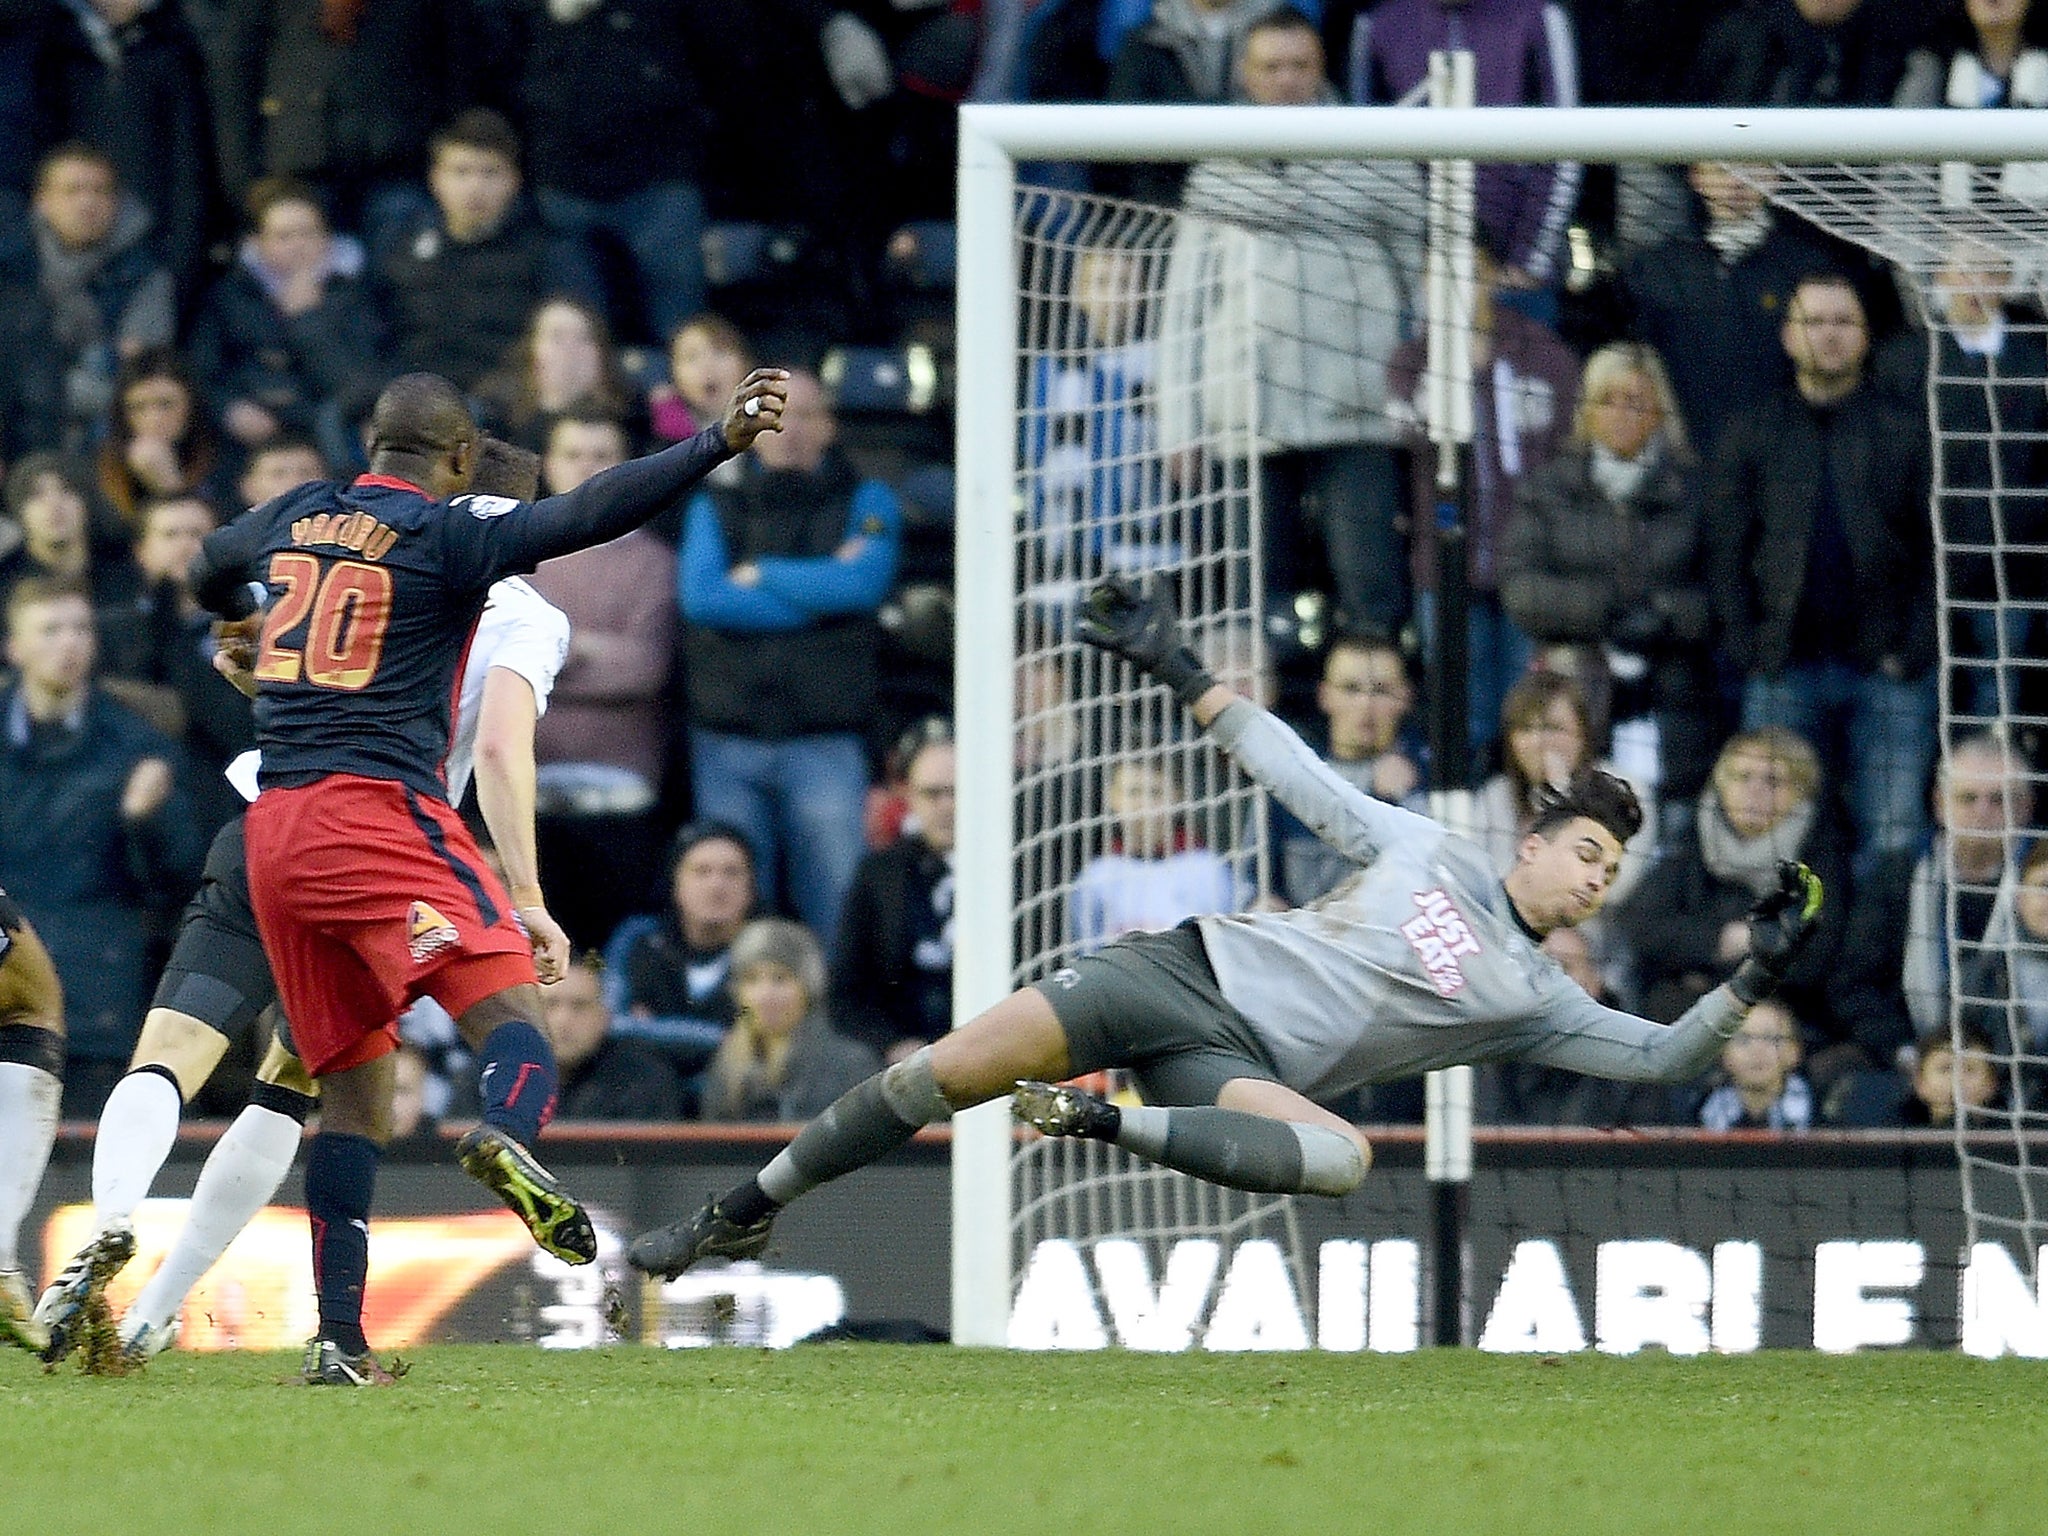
[1582, 1036]
[617, 500]
[1142, 628]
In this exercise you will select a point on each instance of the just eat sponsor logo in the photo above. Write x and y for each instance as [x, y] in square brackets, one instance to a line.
[1439, 934]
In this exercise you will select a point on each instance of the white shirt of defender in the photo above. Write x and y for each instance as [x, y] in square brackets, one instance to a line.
[520, 631]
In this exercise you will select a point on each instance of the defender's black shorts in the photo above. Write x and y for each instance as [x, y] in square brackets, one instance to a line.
[1149, 1002]
[217, 972]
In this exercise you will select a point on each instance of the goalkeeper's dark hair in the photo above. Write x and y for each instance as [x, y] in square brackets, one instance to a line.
[1595, 794]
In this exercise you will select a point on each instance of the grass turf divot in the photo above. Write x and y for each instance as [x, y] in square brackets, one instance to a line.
[99, 1342]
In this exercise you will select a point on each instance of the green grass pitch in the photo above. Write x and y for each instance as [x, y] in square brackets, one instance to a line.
[874, 1438]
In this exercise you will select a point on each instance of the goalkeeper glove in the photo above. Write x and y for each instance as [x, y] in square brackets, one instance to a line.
[1779, 927]
[1142, 629]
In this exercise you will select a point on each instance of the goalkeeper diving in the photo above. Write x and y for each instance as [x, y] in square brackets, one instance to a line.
[1234, 1026]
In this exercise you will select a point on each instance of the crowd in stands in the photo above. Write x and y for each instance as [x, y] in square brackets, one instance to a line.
[1699, 537]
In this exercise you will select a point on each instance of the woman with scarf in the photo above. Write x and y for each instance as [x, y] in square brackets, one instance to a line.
[1602, 563]
[1684, 923]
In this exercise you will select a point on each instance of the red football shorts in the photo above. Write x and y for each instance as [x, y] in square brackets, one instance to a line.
[369, 895]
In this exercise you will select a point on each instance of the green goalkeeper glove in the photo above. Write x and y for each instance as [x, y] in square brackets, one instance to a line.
[1779, 927]
[1141, 628]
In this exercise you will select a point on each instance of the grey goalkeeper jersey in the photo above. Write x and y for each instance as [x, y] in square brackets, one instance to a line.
[1417, 961]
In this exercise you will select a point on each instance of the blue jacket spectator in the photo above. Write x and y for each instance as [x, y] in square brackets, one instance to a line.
[780, 579]
[667, 976]
[1100, 494]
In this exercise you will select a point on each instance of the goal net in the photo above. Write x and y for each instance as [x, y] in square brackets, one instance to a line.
[1254, 402]
[1970, 245]
[1137, 458]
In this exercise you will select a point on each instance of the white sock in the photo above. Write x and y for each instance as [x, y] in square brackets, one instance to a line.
[241, 1174]
[28, 1124]
[136, 1131]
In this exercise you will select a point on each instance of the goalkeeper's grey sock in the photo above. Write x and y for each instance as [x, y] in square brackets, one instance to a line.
[867, 1122]
[1244, 1151]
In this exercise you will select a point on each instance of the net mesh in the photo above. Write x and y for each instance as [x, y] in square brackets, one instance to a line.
[1183, 378]
[1127, 818]
[1969, 244]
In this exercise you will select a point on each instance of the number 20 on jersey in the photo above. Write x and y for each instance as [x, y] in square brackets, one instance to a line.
[344, 614]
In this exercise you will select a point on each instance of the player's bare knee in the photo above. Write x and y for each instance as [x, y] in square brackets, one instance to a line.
[284, 1070]
[353, 1116]
[984, 1059]
[356, 1101]
[187, 1047]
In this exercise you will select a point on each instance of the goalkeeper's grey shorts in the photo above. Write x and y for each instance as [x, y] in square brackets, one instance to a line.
[1149, 1002]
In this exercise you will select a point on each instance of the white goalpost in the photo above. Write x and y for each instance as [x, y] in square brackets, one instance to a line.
[1115, 413]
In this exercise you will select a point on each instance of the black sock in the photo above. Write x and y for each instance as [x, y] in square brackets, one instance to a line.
[341, 1180]
[746, 1204]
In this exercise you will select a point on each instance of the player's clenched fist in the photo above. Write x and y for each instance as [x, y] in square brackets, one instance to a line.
[550, 943]
[1140, 627]
[756, 407]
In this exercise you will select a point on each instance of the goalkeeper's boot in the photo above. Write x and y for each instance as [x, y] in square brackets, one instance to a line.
[145, 1341]
[668, 1251]
[62, 1309]
[327, 1365]
[1060, 1109]
[558, 1223]
[17, 1313]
